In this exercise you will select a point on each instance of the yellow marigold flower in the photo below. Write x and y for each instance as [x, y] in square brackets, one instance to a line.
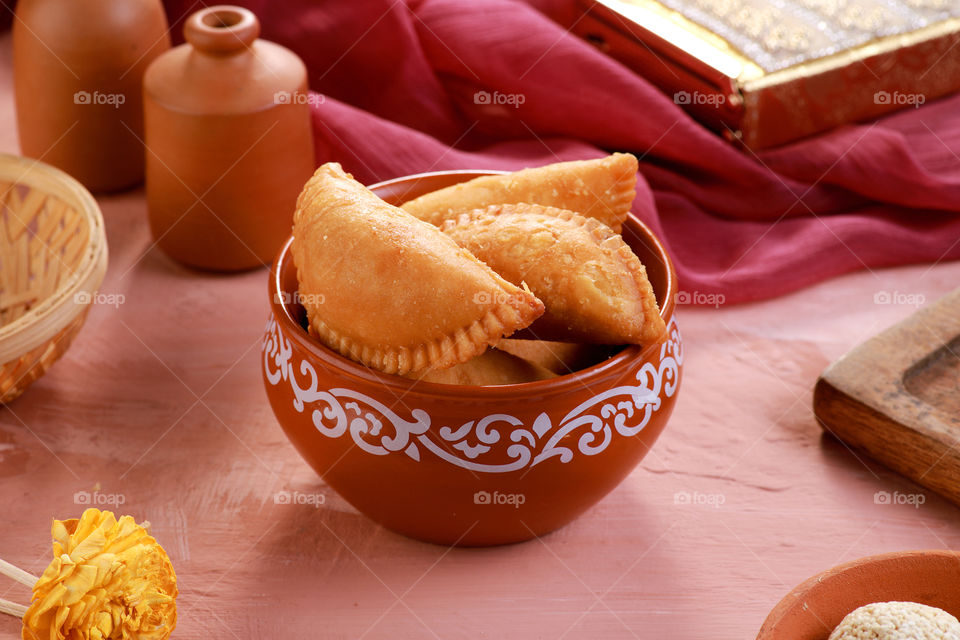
[109, 580]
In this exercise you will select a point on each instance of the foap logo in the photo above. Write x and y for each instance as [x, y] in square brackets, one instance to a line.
[497, 498]
[899, 99]
[109, 299]
[697, 499]
[299, 97]
[705, 299]
[98, 498]
[699, 98]
[314, 500]
[96, 98]
[497, 297]
[509, 99]
[899, 298]
[915, 500]
[303, 299]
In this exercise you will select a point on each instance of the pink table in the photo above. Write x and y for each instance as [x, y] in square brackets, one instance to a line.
[160, 404]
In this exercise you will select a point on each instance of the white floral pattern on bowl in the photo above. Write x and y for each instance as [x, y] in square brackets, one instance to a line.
[335, 412]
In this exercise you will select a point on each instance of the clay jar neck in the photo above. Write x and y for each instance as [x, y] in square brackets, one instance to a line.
[224, 68]
[222, 30]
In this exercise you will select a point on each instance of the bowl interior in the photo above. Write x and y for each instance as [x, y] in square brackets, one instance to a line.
[816, 607]
[641, 239]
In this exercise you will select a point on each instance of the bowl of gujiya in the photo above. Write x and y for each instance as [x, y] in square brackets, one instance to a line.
[473, 358]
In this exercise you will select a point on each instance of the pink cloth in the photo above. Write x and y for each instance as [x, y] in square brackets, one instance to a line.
[400, 78]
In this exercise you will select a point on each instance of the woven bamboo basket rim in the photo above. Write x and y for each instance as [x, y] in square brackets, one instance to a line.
[50, 315]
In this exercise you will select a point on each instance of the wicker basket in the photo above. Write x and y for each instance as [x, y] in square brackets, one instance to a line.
[53, 256]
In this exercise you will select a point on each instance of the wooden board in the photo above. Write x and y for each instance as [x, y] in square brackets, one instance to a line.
[897, 397]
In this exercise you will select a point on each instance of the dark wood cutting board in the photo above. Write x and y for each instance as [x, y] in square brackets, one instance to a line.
[897, 397]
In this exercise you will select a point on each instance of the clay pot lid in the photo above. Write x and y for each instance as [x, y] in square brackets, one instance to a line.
[813, 609]
[224, 68]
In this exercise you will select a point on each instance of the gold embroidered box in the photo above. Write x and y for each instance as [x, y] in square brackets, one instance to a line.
[766, 72]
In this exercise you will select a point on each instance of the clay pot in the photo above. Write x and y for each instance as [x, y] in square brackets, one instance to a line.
[470, 465]
[78, 68]
[815, 608]
[229, 142]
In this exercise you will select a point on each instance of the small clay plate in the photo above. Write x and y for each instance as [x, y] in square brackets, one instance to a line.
[815, 608]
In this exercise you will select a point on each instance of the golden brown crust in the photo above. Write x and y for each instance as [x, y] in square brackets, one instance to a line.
[593, 286]
[390, 291]
[492, 367]
[559, 357]
[602, 189]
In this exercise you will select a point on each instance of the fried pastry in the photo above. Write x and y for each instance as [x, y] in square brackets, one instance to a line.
[492, 367]
[593, 286]
[391, 291]
[602, 189]
[559, 357]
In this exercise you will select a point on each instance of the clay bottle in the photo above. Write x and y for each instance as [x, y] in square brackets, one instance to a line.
[78, 68]
[229, 143]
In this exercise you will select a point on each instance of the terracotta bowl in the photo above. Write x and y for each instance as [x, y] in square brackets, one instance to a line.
[814, 609]
[469, 465]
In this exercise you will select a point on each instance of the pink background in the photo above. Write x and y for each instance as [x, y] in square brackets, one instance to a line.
[160, 401]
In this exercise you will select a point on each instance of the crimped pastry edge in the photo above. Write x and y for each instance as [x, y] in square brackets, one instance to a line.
[653, 326]
[440, 353]
[623, 193]
[617, 200]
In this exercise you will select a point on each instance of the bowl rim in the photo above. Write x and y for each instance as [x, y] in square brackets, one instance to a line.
[347, 368]
[797, 596]
[54, 312]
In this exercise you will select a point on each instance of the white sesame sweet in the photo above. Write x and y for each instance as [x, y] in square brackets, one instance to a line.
[897, 621]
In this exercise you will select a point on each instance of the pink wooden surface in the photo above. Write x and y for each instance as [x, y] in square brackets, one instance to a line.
[160, 403]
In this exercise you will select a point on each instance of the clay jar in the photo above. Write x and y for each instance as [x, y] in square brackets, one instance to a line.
[78, 68]
[229, 144]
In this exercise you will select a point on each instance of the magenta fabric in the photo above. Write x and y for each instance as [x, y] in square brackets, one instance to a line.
[399, 81]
